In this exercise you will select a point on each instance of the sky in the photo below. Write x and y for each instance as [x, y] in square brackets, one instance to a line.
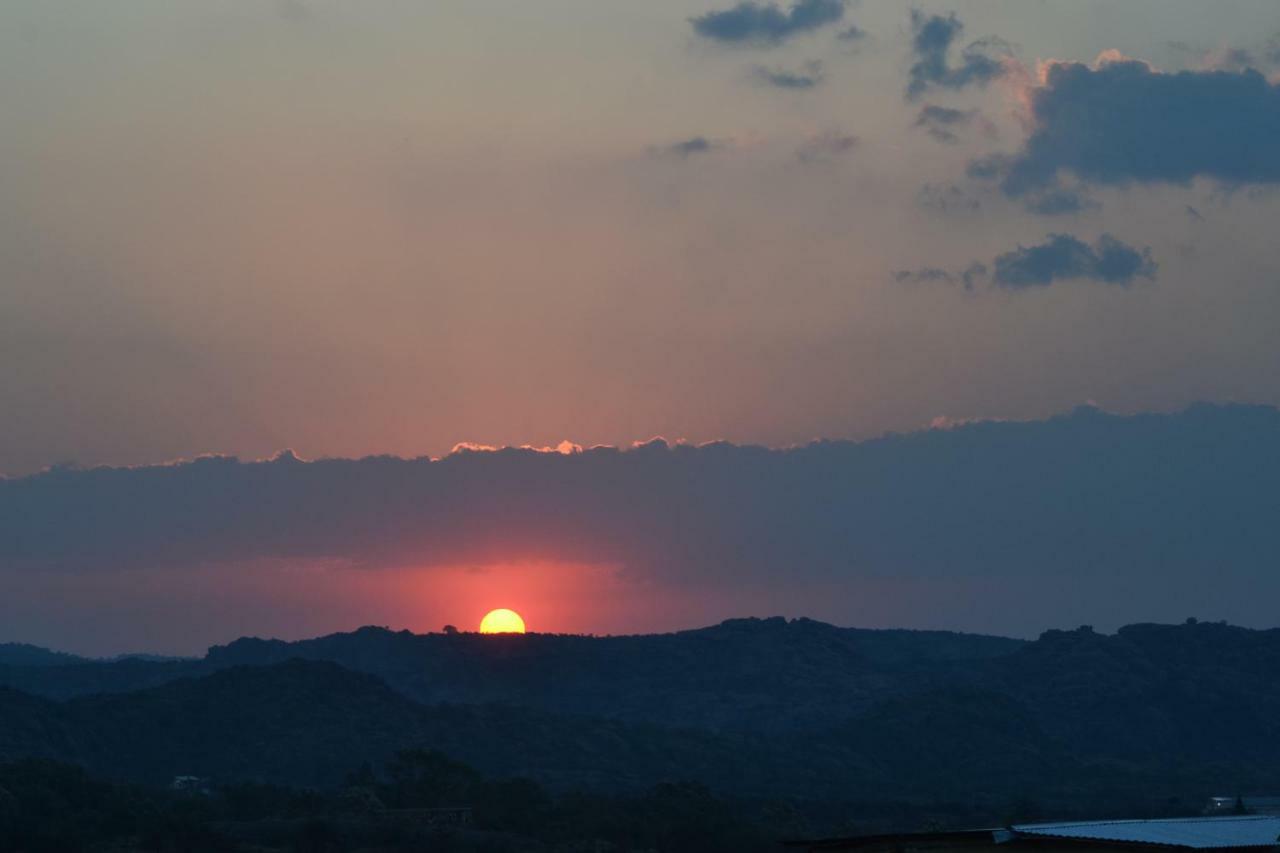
[396, 228]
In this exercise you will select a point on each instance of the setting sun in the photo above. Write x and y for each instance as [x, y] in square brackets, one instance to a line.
[502, 621]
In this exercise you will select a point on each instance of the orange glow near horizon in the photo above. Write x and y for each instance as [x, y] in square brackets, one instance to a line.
[558, 597]
[555, 597]
[502, 621]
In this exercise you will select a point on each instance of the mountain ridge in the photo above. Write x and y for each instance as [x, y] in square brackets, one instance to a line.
[1075, 718]
[748, 674]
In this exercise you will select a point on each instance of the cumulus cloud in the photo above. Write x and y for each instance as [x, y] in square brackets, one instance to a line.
[806, 77]
[1120, 122]
[1063, 256]
[751, 23]
[931, 45]
[827, 145]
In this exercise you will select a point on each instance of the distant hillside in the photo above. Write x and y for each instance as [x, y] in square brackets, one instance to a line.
[89, 677]
[752, 707]
[745, 674]
[1202, 689]
[150, 658]
[21, 654]
[310, 722]
[1199, 692]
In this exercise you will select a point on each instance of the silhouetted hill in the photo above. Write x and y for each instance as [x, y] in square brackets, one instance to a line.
[80, 679]
[22, 654]
[1073, 718]
[1199, 691]
[750, 707]
[311, 722]
[1205, 689]
[747, 674]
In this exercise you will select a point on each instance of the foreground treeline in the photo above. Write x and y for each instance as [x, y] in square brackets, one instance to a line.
[422, 800]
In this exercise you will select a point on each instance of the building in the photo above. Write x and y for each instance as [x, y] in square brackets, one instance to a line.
[1236, 833]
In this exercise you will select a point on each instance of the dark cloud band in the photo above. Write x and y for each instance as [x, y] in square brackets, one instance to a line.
[1064, 495]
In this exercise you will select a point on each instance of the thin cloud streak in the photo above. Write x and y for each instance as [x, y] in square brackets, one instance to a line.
[766, 25]
[807, 76]
[1061, 257]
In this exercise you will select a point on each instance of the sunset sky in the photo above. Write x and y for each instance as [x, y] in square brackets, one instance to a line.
[393, 227]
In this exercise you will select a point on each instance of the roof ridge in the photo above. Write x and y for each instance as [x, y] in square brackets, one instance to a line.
[1133, 820]
[1202, 833]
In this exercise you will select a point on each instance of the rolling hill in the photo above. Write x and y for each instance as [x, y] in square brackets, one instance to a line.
[757, 708]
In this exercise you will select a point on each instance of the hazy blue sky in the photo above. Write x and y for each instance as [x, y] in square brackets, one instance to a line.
[394, 226]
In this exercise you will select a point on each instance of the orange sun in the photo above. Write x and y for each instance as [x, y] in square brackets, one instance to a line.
[502, 621]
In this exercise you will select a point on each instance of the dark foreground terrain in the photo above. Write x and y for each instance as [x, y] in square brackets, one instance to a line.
[749, 730]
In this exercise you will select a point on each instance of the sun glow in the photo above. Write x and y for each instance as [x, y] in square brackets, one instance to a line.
[502, 621]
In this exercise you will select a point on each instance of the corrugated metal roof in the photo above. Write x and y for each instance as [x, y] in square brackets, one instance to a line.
[1198, 833]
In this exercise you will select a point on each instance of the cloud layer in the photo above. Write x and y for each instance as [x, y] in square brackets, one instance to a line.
[766, 24]
[1001, 527]
[1071, 494]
